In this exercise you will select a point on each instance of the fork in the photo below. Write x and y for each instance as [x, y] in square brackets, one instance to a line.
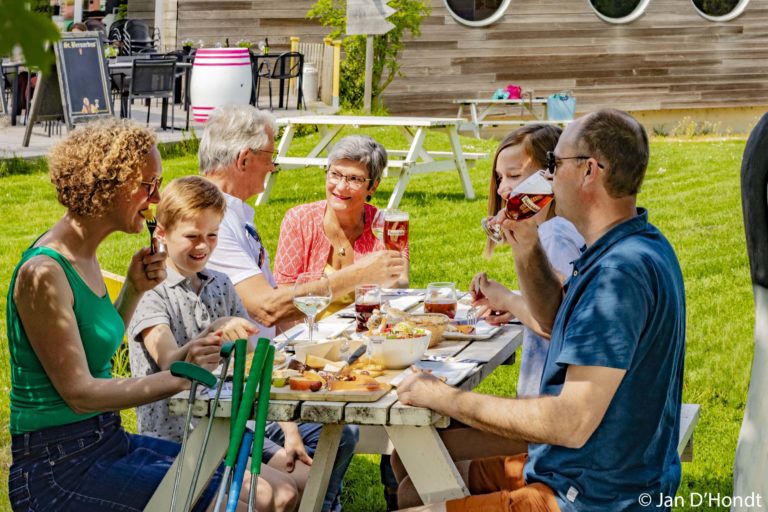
[472, 316]
[151, 225]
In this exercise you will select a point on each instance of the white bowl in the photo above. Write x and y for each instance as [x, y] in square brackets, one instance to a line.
[396, 354]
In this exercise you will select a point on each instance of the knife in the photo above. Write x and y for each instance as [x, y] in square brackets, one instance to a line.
[354, 356]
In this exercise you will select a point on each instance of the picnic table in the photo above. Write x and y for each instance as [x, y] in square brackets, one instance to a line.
[514, 112]
[405, 163]
[411, 430]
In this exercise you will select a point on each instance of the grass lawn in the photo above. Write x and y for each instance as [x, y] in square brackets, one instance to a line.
[691, 190]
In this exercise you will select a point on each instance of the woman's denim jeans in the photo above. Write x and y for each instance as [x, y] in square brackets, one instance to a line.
[90, 465]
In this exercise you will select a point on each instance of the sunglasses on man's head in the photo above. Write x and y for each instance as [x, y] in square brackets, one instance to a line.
[255, 235]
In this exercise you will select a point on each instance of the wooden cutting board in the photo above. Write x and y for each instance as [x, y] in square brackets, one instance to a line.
[286, 393]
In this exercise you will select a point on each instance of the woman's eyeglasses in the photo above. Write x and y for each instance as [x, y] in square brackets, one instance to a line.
[353, 182]
[553, 162]
[153, 186]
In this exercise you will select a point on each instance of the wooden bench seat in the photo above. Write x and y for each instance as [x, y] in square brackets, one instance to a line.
[689, 417]
[297, 162]
[373, 439]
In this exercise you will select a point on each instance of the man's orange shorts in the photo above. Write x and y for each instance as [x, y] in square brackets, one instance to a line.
[497, 484]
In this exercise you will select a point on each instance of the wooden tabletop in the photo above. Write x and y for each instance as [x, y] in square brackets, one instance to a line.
[487, 355]
[515, 101]
[370, 121]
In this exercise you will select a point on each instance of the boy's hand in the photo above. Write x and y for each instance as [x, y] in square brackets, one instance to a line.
[233, 328]
[205, 351]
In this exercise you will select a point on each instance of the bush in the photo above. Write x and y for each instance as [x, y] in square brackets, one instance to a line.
[386, 47]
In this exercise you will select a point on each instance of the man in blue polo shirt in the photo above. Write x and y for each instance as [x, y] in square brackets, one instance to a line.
[603, 433]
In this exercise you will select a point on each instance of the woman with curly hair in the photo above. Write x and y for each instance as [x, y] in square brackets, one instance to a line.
[69, 449]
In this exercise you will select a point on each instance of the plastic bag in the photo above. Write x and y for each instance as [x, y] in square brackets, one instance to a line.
[561, 106]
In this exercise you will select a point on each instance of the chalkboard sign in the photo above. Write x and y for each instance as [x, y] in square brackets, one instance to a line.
[77, 89]
[82, 77]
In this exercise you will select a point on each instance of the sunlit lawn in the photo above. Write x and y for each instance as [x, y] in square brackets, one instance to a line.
[691, 190]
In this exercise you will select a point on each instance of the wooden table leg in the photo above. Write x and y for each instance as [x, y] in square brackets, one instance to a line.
[475, 119]
[428, 463]
[282, 150]
[461, 163]
[417, 144]
[217, 447]
[322, 465]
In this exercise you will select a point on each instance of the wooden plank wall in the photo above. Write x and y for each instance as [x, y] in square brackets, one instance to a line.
[145, 10]
[669, 58]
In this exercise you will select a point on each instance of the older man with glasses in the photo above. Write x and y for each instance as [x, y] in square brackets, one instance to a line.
[603, 433]
[236, 154]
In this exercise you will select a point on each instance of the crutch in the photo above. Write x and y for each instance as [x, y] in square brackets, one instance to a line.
[226, 354]
[194, 374]
[239, 473]
[243, 411]
[238, 381]
[262, 408]
[255, 377]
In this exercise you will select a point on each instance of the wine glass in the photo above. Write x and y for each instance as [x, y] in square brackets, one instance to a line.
[311, 295]
[377, 226]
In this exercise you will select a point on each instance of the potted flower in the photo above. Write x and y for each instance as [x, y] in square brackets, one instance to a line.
[243, 43]
[110, 52]
[187, 45]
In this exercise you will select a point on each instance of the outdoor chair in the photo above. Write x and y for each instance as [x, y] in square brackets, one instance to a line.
[260, 69]
[751, 463]
[115, 35]
[287, 66]
[5, 91]
[138, 37]
[152, 78]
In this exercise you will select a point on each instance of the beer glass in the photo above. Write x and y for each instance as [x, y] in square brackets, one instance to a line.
[367, 298]
[396, 230]
[525, 201]
[441, 298]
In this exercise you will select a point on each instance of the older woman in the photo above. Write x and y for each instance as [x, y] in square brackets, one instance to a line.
[69, 449]
[334, 235]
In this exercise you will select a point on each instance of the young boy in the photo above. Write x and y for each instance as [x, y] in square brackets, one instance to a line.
[189, 315]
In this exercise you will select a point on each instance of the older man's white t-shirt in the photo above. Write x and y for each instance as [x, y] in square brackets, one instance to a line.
[239, 250]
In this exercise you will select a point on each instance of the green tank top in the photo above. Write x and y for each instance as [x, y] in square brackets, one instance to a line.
[35, 403]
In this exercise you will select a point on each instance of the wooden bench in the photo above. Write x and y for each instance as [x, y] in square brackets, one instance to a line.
[689, 417]
[373, 439]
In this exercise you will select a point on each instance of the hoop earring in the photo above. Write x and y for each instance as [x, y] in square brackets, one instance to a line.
[367, 199]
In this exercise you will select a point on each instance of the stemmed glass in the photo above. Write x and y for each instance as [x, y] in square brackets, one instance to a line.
[311, 295]
[377, 226]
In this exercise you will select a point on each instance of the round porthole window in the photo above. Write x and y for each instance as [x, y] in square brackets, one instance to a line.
[720, 10]
[477, 13]
[618, 11]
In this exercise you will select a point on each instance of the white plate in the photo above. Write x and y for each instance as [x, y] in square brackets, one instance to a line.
[323, 330]
[403, 303]
[453, 372]
[483, 331]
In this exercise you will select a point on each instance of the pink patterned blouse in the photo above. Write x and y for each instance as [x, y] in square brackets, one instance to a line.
[304, 247]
